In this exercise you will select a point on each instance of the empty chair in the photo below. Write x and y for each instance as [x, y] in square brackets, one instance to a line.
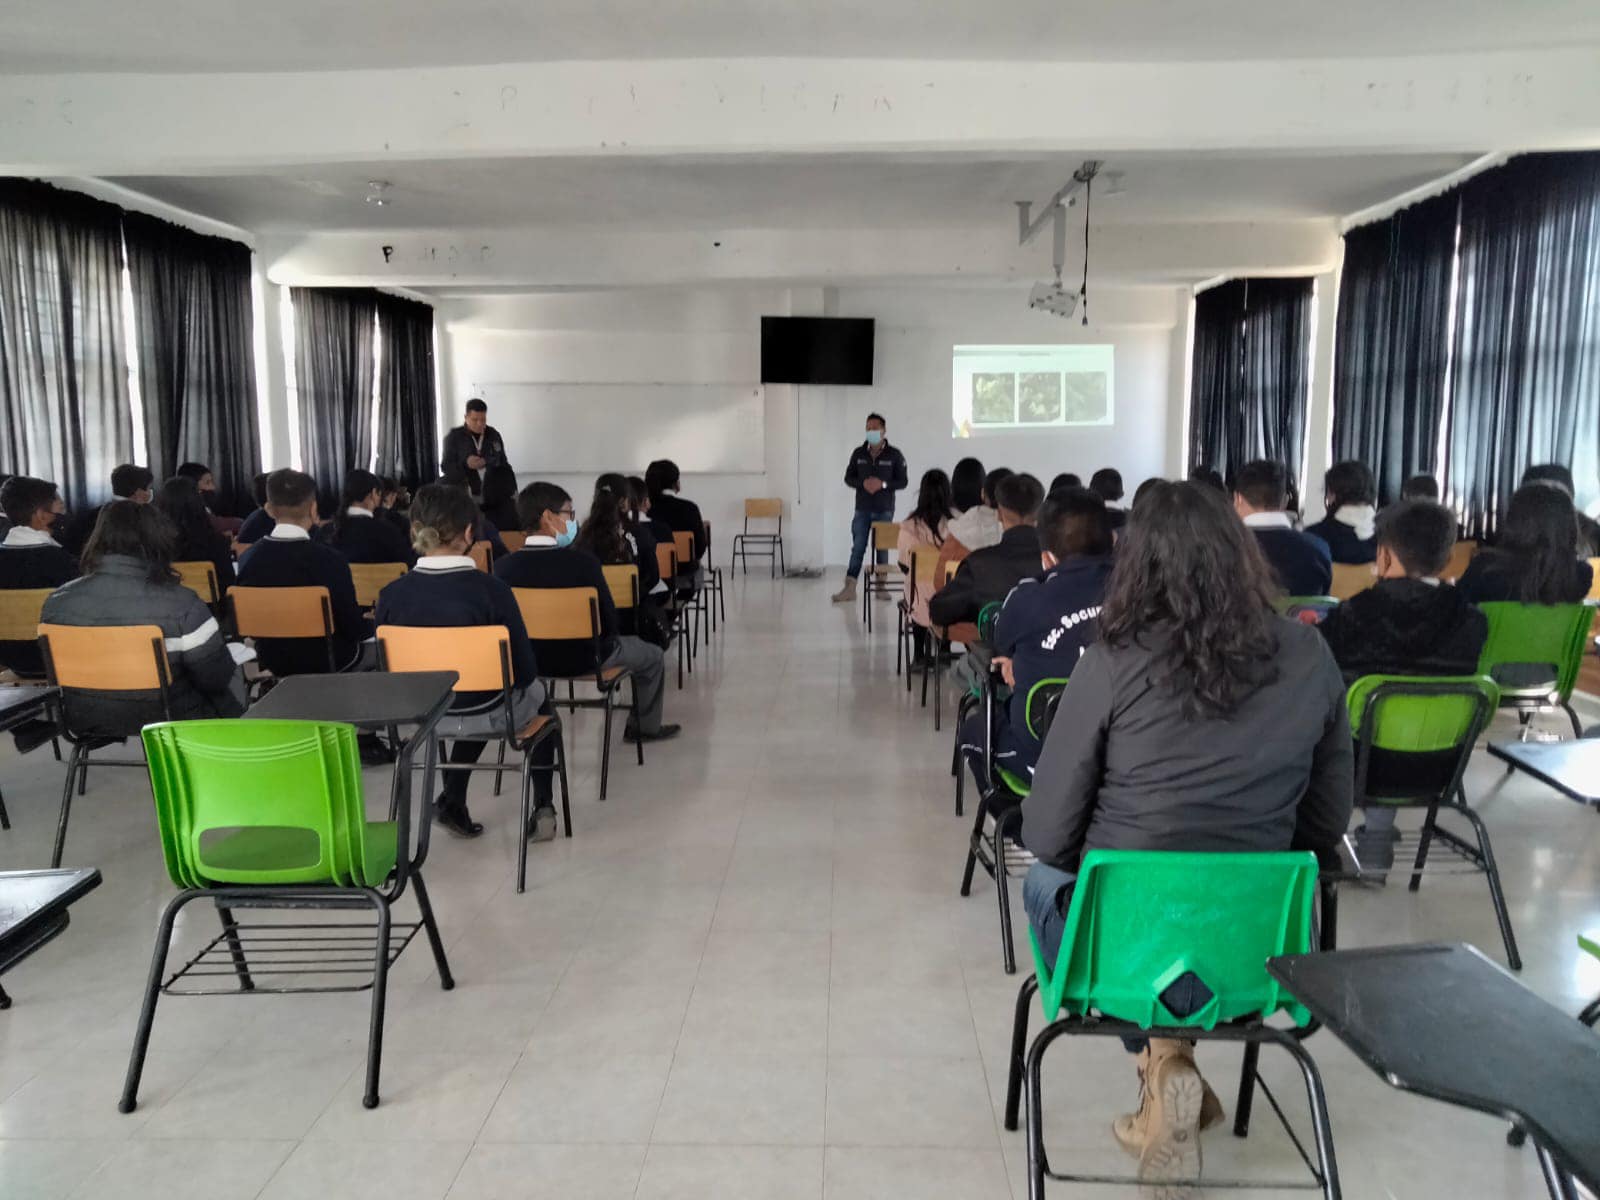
[762, 542]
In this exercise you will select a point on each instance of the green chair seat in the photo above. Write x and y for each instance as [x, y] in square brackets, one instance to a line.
[1013, 781]
[246, 855]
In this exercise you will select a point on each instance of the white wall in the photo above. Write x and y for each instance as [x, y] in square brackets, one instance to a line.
[712, 335]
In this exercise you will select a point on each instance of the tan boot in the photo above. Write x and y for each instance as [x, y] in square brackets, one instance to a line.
[1165, 1132]
[846, 594]
[1212, 1113]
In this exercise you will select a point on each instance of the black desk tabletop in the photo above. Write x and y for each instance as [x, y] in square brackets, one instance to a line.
[369, 699]
[1445, 1022]
[31, 898]
[18, 699]
[1572, 768]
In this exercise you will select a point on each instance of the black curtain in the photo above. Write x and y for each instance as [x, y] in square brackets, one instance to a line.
[1248, 381]
[408, 419]
[1393, 342]
[63, 361]
[333, 371]
[197, 384]
[1525, 383]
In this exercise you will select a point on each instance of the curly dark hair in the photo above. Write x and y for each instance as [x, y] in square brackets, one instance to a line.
[1191, 584]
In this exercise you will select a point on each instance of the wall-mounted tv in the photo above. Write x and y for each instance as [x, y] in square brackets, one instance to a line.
[822, 350]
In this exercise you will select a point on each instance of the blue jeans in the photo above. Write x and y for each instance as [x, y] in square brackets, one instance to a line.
[860, 536]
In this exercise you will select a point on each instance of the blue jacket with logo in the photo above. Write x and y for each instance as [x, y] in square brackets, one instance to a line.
[1044, 627]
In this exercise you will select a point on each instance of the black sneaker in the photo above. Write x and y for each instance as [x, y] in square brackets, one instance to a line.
[543, 826]
[665, 733]
[456, 819]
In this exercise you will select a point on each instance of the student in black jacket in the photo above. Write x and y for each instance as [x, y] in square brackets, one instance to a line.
[1199, 721]
[1107, 484]
[198, 540]
[1533, 559]
[549, 560]
[358, 532]
[1300, 562]
[1408, 623]
[447, 590]
[288, 557]
[30, 557]
[1046, 624]
[662, 480]
[1559, 476]
[987, 576]
[1351, 495]
[259, 523]
[129, 481]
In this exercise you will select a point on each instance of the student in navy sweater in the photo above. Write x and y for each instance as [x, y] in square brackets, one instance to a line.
[548, 560]
[1351, 495]
[129, 481]
[288, 557]
[358, 533]
[259, 523]
[447, 589]
[30, 557]
[1046, 624]
[663, 480]
[1300, 562]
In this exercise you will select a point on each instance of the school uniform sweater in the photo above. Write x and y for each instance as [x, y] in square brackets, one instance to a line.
[289, 558]
[256, 526]
[363, 537]
[543, 564]
[30, 559]
[1348, 534]
[680, 516]
[1300, 561]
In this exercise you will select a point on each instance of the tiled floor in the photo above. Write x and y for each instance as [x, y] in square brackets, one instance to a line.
[749, 975]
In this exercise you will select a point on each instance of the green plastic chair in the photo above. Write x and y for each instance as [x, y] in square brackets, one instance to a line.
[270, 814]
[1434, 721]
[1141, 920]
[1553, 636]
[1288, 604]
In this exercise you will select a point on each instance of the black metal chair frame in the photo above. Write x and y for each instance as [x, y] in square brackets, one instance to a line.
[45, 703]
[550, 729]
[767, 545]
[716, 601]
[297, 950]
[84, 744]
[605, 701]
[999, 848]
[680, 616]
[875, 581]
[693, 590]
[1026, 1060]
[262, 683]
[1478, 854]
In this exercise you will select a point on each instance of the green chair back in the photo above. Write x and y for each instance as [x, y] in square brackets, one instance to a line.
[1552, 635]
[1042, 698]
[264, 802]
[1421, 714]
[1141, 919]
[987, 616]
[1289, 605]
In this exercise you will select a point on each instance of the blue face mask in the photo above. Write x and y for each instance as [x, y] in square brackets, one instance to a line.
[567, 535]
[874, 436]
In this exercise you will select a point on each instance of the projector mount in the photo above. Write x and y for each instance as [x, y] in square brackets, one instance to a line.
[1056, 208]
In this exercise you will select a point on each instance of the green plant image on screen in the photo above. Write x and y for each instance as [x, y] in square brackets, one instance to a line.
[1000, 388]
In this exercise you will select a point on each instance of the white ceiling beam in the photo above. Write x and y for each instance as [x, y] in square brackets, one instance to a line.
[107, 124]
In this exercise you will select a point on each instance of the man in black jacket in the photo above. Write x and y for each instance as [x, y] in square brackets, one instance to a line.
[30, 557]
[471, 448]
[876, 471]
[1300, 561]
[1408, 623]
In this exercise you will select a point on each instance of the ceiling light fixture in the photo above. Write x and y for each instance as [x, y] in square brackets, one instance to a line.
[378, 192]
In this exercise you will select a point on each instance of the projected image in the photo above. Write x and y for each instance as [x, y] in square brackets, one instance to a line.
[996, 388]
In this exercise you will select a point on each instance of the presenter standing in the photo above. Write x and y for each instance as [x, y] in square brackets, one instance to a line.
[471, 448]
[876, 472]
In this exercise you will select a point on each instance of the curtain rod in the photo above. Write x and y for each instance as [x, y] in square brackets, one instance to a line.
[116, 193]
[1387, 208]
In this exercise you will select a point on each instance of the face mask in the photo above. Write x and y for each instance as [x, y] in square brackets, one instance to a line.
[874, 436]
[567, 535]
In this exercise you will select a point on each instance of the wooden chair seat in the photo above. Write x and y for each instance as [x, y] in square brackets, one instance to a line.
[535, 727]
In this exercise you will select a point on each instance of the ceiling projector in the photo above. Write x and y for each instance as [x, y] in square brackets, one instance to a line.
[1053, 298]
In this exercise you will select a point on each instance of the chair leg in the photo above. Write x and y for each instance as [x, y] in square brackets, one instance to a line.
[1019, 1048]
[1247, 1089]
[938, 692]
[74, 768]
[1422, 847]
[1496, 894]
[1317, 1101]
[152, 993]
[527, 815]
[633, 695]
[1008, 950]
[1037, 1164]
[1590, 1014]
[605, 747]
[501, 760]
[1577, 727]
[230, 931]
[380, 995]
[561, 766]
[961, 785]
[899, 642]
[5, 817]
[447, 981]
[972, 847]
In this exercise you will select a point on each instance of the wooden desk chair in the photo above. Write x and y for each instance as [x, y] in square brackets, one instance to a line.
[372, 578]
[1594, 587]
[920, 581]
[19, 622]
[265, 613]
[717, 601]
[480, 655]
[513, 540]
[1350, 578]
[101, 659]
[480, 555]
[880, 576]
[693, 585]
[768, 543]
[622, 580]
[201, 579]
[573, 615]
[667, 568]
[1460, 556]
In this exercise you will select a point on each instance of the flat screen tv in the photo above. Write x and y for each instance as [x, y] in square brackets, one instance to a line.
[822, 350]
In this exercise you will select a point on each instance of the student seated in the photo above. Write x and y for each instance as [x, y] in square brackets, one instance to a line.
[1064, 480]
[1107, 484]
[447, 589]
[129, 481]
[1209, 476]
[1558, 476]
[966, 484]
[1299, 562]
[259, 523]
[987, 576]
[1046, 624]
[1408, 623]
[197, 538]
[31, 558]
[548, 560]
[128, 580]
[978, 527]
[200, 475]
[606, 534]
[1350, 494]
[396, 500]
[924, 528]
[1534, 559]
[1420, 487]
[644, 535]
[499, 496]
[358, 533]
[1157, 744]
[1148, 486]
[667, 507]
[288, 557]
